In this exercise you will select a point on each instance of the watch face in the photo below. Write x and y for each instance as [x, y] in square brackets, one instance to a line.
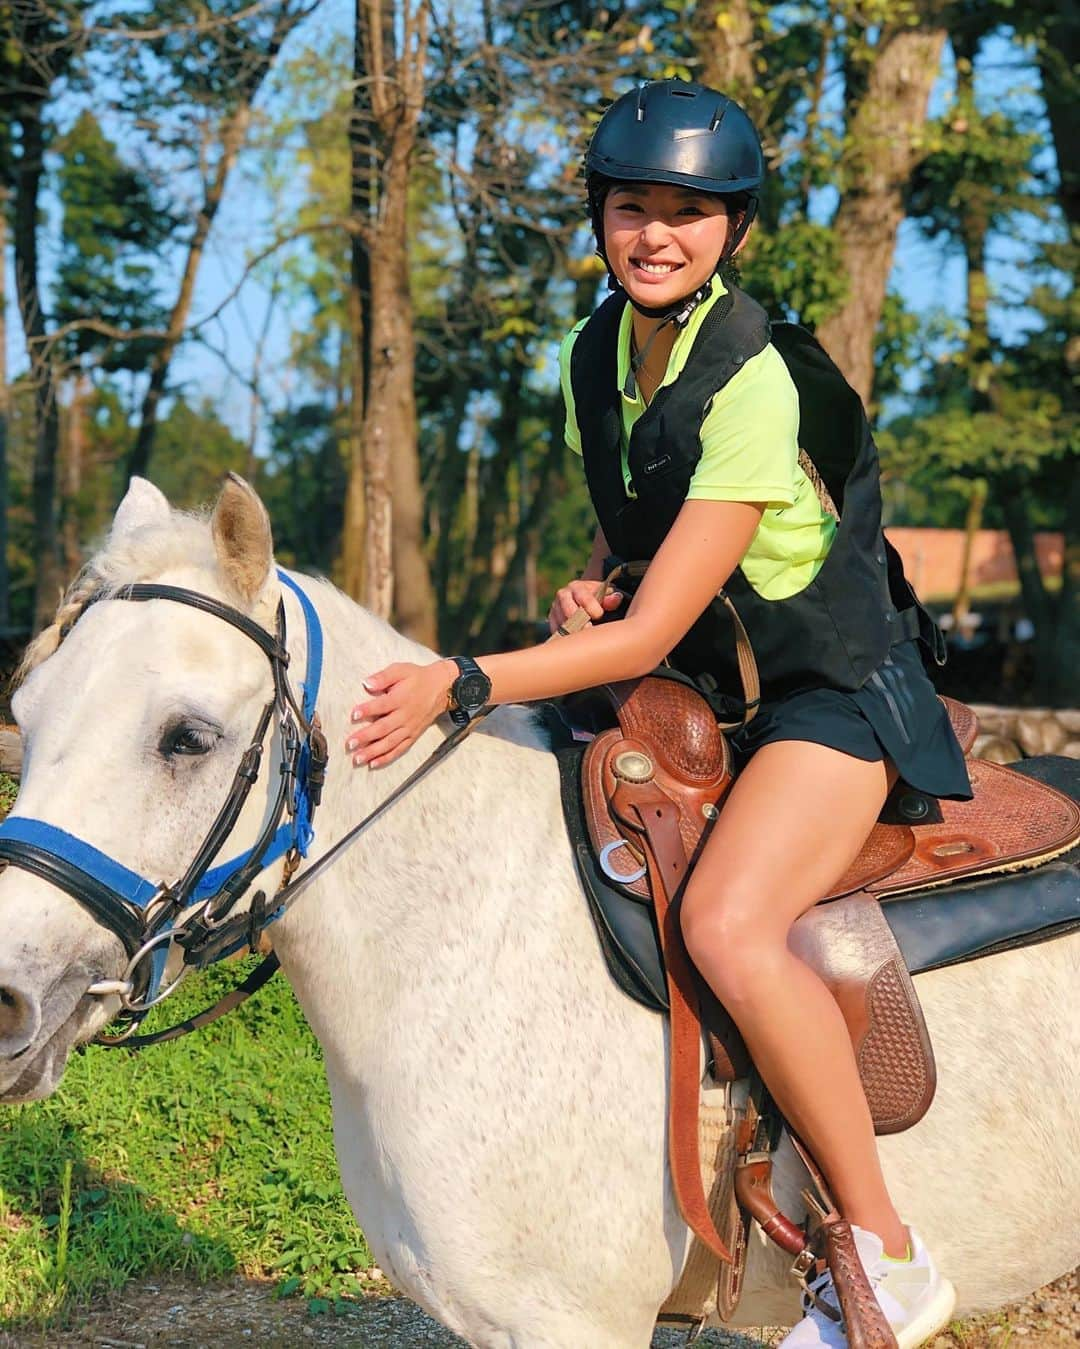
[472, 690]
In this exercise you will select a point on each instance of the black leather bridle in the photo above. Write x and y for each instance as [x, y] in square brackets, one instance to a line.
[196, 910]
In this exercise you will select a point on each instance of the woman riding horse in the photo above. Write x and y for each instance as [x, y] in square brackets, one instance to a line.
[688, 421]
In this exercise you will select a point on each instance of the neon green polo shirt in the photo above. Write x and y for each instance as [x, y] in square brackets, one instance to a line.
[749, 452]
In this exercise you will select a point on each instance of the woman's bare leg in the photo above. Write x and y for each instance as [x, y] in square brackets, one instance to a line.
[793, 822]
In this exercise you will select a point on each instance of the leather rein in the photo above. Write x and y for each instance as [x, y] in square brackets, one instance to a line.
[196, 912]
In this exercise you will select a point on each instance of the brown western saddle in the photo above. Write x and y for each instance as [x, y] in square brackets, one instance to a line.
[652, 786]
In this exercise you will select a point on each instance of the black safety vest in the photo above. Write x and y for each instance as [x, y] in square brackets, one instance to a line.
[837, 630]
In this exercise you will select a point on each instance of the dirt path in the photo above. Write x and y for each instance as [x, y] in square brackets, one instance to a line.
[183, 1316]
[225, 1316]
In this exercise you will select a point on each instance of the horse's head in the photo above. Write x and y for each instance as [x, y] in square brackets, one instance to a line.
[134, 718]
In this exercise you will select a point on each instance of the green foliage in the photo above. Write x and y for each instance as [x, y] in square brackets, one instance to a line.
[303, 486]
[1028, 432]
[209, 54]
[193, 451]
[977, 167]
[795, 271]
[112, 228]
[567, 538]
[900, 335]
[497, 248]
[206, 1156]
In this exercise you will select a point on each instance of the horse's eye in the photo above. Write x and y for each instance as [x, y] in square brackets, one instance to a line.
[185, 738]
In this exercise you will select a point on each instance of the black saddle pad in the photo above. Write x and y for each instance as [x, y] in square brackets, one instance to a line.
[943, 926]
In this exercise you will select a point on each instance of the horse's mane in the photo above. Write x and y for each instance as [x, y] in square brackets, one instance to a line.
[137, 555]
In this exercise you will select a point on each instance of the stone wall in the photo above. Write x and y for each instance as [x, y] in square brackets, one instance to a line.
[1010, 733]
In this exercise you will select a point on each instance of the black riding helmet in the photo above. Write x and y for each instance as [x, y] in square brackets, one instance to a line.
[671, 131]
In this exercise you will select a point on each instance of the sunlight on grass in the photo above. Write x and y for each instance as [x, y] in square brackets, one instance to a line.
[205, 1156]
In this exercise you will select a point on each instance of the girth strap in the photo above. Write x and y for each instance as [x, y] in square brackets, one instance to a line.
[646, 808]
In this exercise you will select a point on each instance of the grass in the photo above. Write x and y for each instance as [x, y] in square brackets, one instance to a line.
[208, 1156]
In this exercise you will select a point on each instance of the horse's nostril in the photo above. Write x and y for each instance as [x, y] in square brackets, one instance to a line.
[20, 1020]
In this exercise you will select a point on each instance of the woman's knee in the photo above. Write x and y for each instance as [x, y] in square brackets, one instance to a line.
[728, 942]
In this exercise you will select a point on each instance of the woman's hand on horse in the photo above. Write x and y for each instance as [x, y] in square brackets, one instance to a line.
[581, 594]
[405, 700]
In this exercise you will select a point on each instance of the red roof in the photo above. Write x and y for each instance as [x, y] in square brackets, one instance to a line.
[933, 558]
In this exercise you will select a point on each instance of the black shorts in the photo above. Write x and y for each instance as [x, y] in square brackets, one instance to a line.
[896, 715]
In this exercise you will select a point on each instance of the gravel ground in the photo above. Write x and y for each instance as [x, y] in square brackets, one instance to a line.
[225, 1316]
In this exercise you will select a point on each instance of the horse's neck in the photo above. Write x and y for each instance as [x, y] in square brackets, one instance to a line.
[411, 908]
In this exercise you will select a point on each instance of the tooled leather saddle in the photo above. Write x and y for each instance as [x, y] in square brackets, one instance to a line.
[639, 803]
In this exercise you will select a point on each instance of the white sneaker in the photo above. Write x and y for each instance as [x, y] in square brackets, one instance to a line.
[916, 1300]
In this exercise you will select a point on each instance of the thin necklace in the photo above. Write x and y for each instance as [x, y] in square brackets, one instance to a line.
[638, 359]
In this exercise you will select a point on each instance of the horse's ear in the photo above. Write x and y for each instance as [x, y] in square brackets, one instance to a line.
[242, 539]
[142, 505]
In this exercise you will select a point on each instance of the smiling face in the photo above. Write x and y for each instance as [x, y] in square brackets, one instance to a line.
[662, 241]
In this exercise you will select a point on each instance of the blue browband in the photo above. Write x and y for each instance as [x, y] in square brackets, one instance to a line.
[54, 854]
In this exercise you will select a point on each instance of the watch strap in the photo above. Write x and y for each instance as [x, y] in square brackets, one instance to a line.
[466, 665]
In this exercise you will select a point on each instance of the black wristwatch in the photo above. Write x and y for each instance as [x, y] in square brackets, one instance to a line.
[469, 692]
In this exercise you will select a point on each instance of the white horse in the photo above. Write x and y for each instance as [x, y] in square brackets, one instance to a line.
[498, 1103]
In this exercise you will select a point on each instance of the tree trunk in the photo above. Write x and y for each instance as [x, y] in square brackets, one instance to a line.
[396, 573]
[527, 543]
[491, 524]
[5, 414]
[48, 571]
[724, 36]
[1059, 57]
[813, 112]
[362, 196]
[1065, 644]
[881, 150]
[973, 523]
[352, 544]
[450, 490]
[1016, 509]
[74, 453]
